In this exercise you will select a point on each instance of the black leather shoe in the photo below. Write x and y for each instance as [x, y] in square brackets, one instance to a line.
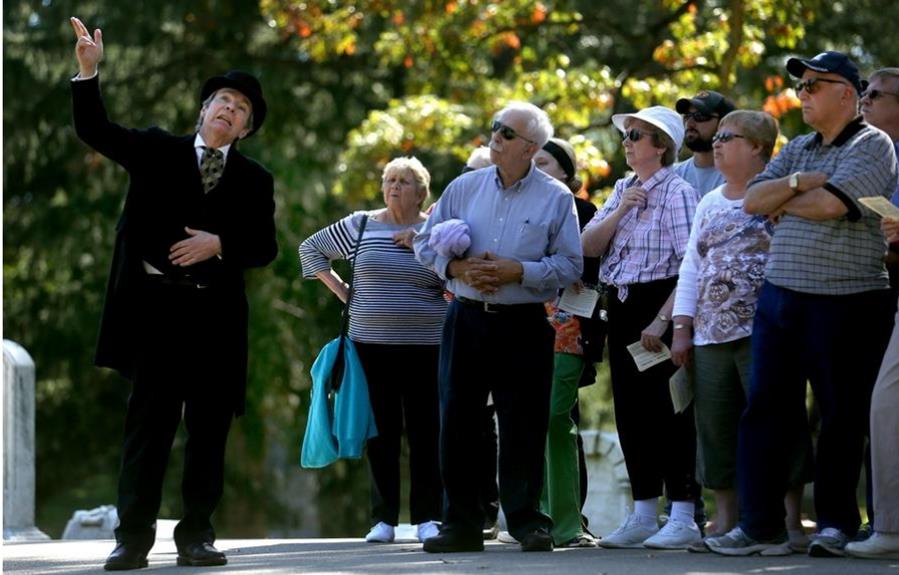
[538, 540]
[125, 557]
[200, 555]
[454, 541]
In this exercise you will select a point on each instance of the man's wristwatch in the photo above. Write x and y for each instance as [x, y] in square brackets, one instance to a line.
[794, 181]
[663, 317]
[681, 326]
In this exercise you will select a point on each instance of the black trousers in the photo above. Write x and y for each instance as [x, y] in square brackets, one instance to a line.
[402, 387]
[508, 353]
[659, 446]
[489, 488]
[183, 338]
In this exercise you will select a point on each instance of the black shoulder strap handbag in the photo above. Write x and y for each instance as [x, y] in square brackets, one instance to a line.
[337, 371]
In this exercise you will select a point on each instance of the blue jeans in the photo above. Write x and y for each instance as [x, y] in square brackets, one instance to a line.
[836, 343]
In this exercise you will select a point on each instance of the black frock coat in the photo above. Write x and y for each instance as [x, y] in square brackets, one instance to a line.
[165, 194]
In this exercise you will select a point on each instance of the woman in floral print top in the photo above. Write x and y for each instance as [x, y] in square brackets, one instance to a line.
[717, 289]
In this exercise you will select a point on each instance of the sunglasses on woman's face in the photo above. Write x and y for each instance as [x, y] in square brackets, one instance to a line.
[634, 135]
[725, 137]
[508, 133]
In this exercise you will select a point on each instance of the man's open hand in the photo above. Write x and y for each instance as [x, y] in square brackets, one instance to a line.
[199, 247]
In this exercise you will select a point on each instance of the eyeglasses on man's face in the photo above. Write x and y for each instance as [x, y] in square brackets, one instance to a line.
[725, 137]
[877, 94]
[508, 133]
[812, 85]
[634, 135]
[698, 117]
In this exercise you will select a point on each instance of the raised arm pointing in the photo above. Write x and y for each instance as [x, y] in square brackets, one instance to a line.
[88, 51]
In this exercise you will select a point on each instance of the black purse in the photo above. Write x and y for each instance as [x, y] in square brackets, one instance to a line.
[337, 372]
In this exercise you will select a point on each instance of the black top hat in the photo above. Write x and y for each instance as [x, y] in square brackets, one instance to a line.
[830, 61]
[246, 84]
[708, 102]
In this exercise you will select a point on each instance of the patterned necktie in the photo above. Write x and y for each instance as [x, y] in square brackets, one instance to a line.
[211, 167]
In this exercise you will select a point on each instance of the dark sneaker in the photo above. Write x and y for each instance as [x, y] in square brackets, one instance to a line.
[829, 542]
[538, 540]
[454, 541]
[737, 543]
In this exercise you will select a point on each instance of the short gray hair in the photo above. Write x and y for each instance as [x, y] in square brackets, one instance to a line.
[886, 73]
[539, 126]
[415, 167]
[760, 128]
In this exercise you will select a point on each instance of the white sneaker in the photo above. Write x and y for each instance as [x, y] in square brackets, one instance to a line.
[675, 535]
[631, 535]
[427, 530]
[829, 542]
[877, 546]
[505, 537]
[381, 533]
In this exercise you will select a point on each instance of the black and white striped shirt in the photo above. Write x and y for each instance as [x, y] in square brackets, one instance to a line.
[396, 300]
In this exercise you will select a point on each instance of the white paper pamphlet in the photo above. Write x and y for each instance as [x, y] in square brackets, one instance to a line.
[581, 304]
[645, 358]
[681, 388]
[881, 206]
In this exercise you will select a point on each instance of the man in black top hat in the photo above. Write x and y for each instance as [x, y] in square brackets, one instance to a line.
[701, 115]
[197, 214]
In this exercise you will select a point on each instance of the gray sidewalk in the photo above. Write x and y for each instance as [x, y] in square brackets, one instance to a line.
[337, 556]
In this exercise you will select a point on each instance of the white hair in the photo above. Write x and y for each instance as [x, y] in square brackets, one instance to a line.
[479, 158]
[539, 126]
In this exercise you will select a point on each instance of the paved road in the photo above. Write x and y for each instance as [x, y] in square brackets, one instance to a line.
[339, 556]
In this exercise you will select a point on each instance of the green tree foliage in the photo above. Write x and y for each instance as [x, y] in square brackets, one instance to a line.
[350, 84]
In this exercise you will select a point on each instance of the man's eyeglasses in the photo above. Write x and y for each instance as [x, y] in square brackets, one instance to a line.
[508, 133]
[634, 135]
[811, 85]
[725, 137]
[877, 94]
[698, 117]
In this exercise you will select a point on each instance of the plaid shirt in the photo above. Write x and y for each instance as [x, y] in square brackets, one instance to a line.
[649, 243]
[843, 255]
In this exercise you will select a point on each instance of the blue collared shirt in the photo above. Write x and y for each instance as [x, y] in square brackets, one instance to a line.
[533, 221]
[895, 198]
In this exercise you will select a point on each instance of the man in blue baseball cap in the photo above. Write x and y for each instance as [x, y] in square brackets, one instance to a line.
[823, 316]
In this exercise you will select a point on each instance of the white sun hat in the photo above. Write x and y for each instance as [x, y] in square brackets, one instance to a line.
[661, 117]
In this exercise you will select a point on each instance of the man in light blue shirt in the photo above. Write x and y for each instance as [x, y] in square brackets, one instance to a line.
[525, 245]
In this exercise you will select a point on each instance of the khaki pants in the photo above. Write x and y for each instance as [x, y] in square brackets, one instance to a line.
[884, 435]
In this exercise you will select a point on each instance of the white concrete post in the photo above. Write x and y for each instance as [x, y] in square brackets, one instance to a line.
[18, 445]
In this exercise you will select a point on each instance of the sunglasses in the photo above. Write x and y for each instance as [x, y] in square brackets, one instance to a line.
[634, 135]
[877, 94]
[508, 133]
[698, 117]
[811, 85]
[725, 137]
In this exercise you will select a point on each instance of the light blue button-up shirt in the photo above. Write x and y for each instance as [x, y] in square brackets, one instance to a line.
[895, 198]
[533, 221]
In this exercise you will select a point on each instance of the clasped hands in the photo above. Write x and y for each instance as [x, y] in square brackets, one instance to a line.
[199, 247]
[486, 273]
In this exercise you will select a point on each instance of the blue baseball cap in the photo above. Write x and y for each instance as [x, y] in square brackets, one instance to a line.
[831, 62]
